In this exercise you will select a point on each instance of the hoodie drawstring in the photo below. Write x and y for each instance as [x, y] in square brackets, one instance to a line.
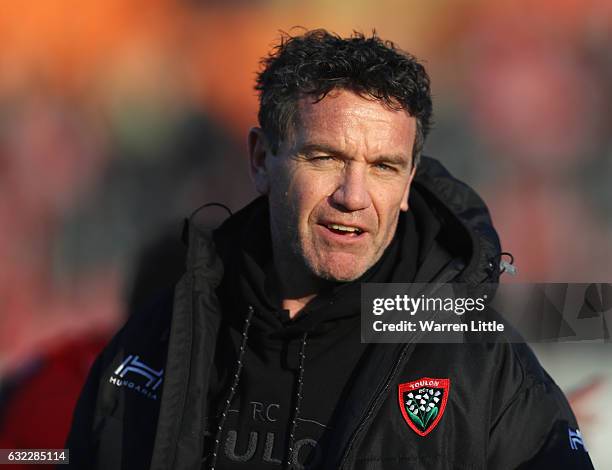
[298, 400]
[234, 386]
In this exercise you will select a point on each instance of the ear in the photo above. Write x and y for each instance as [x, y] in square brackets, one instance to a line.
[404, 206]
[258, 151]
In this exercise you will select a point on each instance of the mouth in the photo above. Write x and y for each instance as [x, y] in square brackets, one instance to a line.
[346, 230]
[342, 233]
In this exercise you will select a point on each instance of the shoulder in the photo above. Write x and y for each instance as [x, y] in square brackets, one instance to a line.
[123, 390]
[132, 364]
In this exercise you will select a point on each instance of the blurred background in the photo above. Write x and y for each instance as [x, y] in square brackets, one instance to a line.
[119, 117]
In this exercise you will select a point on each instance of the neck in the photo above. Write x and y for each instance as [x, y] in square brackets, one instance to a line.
[297, 286]
[295, 306]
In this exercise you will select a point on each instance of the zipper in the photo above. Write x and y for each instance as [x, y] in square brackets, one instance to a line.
[376, 404]
[445, 276]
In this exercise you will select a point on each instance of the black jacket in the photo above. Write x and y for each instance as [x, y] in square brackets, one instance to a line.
[143, 405]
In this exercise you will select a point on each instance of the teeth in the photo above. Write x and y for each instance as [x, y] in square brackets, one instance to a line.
[344, 228]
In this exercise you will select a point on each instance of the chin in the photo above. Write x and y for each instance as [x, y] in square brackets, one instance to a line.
[343, 268]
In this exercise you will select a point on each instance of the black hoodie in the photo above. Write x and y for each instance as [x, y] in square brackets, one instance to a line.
[153, 397]
[266, 404]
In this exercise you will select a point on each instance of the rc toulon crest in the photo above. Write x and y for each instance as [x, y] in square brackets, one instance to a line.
[423, 402]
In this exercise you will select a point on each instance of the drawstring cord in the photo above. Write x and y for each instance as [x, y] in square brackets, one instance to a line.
[210, 204]
[298, 400]
[189, 220]
[233, 388]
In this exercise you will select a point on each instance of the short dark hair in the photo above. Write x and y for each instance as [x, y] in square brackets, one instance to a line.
[317, 62]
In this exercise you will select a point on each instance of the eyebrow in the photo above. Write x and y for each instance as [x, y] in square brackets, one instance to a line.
[397, 159]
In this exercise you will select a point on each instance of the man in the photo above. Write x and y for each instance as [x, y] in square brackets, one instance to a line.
[256, 360]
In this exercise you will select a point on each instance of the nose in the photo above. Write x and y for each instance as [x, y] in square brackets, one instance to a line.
[352, 191]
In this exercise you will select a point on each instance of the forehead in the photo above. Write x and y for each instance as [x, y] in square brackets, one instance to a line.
[345, 119]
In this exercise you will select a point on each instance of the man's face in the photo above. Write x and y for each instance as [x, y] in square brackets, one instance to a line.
[336, 187]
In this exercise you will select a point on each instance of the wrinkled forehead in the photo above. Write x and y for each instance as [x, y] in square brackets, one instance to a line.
[351, 121]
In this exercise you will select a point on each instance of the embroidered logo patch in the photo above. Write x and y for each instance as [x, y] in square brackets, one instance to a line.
[423, 402]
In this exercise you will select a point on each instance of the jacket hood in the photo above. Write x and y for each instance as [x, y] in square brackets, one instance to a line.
[462, 220]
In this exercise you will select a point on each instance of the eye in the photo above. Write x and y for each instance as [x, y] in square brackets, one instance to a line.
[322, 158]
[384, 167]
